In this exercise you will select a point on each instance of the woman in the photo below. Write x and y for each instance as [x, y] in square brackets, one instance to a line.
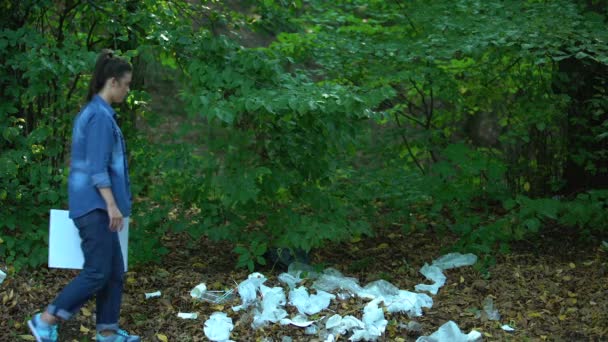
[99, 199]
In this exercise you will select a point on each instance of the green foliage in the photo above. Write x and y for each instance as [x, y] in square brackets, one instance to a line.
[358, 113]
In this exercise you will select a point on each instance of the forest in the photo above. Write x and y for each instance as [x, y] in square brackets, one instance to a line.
[367, 136]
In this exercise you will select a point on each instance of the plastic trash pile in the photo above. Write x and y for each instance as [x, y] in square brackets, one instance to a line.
[268, 303]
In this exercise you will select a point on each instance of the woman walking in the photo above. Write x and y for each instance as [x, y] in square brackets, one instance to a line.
[99, 199]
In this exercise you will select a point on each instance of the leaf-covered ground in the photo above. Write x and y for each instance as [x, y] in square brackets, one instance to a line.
[554, 289]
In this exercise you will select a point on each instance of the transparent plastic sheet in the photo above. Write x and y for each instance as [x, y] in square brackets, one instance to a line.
[331, 279]
[453, 260]
[450, 332]
[490, 310]
[218, 327]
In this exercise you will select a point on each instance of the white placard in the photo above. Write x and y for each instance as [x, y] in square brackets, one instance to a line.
[64, 242]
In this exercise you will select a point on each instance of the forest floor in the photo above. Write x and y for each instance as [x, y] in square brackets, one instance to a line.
[553, 289]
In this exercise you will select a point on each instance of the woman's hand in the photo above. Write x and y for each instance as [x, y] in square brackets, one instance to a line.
[116, 219]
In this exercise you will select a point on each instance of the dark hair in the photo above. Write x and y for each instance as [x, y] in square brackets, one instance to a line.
[107, 66]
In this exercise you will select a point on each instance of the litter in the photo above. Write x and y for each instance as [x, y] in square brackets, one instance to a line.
[373, 319]
[408, 302]
[286, 339]
[453, 260]
[332, 279]
[2, 276]
[152, 294]
[198, 291]
[273, 299]
[187, 315]
[218, 327]
[216, 297]
[298, 320]
[339, 325]
[488, 308]
[248, 290]
[311, 330]
[507, 327]
[433, 273]
[450, 332]
[269, 303]
[309, 304]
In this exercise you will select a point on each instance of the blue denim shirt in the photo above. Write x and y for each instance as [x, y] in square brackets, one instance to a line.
[98, 161]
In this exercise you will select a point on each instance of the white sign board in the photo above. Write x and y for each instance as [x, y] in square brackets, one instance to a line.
[64, 242]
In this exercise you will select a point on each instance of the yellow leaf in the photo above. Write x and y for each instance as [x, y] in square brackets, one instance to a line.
[572, 265]
[86, 312]
[573, 301]
[571, 294]
[527, 186]
[461, 279]
[162, 338]
[1, 241]
[84, 329]
[131, 281]
[17, 325]
[218, 307]
[392, 235]
[383, 246]
[561, 317]
[355, 239]
[534, 314]
[567, 278]
[27, 337]
[488, 335]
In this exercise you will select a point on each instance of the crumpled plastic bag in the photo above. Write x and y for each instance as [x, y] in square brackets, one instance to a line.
[339, 325]
[453, 260]
[373, 319]
[248, 290]
[434, 274]
[491, 312]
[2, 276]
[218, 327]
[273, 301]
[332, 279]
[397, 300]
[450, 332]
[309, 304]
[379, 288]
[407, 302]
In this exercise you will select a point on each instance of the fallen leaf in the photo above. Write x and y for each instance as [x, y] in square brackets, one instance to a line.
[383, 245]
[162, 338]
[84, 329]
[86, 312]
[27, 337]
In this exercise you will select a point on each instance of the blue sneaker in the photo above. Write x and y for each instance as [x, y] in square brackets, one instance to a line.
[42, 332]
[120, 336]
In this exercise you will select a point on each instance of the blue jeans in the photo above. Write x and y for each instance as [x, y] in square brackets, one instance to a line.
[101, 276]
